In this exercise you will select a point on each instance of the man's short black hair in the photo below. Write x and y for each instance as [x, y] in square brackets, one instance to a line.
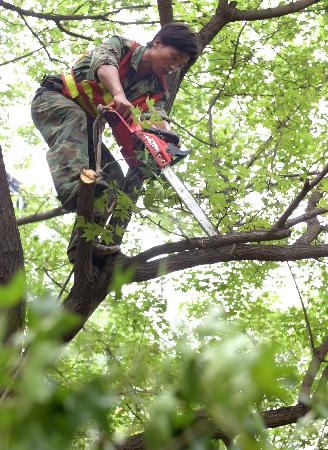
[180, 36]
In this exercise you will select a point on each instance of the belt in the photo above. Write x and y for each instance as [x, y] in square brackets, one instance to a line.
[52, 83]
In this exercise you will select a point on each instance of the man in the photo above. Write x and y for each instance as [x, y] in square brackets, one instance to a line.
[118, 73]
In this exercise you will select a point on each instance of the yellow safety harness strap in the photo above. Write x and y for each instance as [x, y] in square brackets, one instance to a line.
[70, 84]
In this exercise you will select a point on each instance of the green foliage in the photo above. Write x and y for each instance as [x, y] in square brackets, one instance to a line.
[228, 377]
[13, 292]
[148, 119]
[91, 230]
[222, 372]
[123, 205]
[121, 277]
[33, 403]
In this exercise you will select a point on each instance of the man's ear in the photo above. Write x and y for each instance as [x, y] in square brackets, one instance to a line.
[156, 43]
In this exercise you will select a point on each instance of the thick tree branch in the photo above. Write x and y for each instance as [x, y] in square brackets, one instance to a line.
[83, 257]
[84, 302]
[291, 208]
[60, 17]
[272, 418]
[287, 415]
[213, 26]
[204, 37]
[270, 13]
[240, 252]
[306, 216]
[317, 359]
[209, 242]
[313, 225]
[308, 186]
[38, 217]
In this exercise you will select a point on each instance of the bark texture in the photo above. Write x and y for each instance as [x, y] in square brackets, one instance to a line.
[11, 252]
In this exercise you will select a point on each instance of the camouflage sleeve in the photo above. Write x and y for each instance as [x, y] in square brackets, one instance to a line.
[109, 52]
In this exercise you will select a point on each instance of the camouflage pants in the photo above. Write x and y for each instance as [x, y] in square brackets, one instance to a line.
[64, 126]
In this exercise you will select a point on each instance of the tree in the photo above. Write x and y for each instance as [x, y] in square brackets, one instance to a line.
[252, 108]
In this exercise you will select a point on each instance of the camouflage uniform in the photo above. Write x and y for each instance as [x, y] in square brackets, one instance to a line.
[64, 125]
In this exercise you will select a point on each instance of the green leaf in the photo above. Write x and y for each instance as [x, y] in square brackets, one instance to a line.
[14, 291]
[121, 276]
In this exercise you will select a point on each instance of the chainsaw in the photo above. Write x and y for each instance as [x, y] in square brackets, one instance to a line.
[163, 147]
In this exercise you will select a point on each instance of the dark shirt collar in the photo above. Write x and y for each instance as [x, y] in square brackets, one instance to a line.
[136, 56]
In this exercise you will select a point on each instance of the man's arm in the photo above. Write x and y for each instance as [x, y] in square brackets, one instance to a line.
[104, 64]
[109, 77]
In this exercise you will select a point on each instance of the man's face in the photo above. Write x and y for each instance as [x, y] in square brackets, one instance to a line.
[166, 59]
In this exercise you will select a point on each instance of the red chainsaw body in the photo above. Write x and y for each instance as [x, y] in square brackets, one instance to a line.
[163, 146]
[128, 136]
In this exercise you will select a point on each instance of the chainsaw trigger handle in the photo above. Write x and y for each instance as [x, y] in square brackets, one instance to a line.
[168, 136]
[178, 151]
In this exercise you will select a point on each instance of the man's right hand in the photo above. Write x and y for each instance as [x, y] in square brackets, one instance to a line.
[122, 105]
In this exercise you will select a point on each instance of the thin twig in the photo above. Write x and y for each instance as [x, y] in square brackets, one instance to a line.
[281, 125]
[189, 133]
[71, 33]
[306, 317]
[217, 96]
[65, 284]
[34, 34]
[321, 383]
[18, 58]
[306, 216]
[45, 270]
[158, 224]
[13, 377]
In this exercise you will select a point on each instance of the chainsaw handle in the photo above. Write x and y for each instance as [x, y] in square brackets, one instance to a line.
[178, 153]
[168, 136]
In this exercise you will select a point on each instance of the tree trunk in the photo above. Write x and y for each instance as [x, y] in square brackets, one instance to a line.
[11, 253]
